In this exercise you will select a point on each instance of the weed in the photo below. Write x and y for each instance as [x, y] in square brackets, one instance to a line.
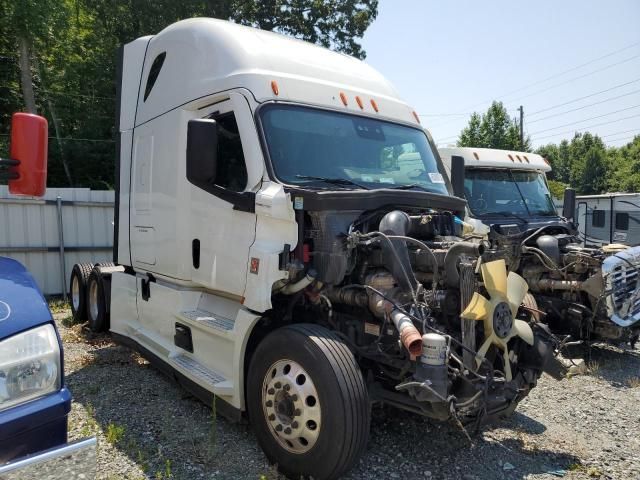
[633, 382]
[592, 368]
[114, 433]
[57, 305]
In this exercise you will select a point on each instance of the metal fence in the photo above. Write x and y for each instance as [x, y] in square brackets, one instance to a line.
[50, 234]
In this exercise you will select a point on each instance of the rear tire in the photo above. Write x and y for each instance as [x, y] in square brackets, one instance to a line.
[78, 290]
[96, 302]
[323, 434]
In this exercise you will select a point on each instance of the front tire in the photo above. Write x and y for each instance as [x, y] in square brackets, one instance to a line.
[308, 402]
[97, 302]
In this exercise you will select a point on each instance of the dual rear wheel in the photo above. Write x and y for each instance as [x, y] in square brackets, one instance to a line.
[88, 295]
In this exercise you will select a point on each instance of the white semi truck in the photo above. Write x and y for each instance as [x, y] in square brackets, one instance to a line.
[276, 250]
[588, 292]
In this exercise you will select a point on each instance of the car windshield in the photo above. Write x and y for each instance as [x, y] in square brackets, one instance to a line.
[332, 150]
[507, 192]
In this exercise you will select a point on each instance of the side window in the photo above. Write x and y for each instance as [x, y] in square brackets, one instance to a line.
[622, 221]
[154, 71]
[232, 170]
[597, 220]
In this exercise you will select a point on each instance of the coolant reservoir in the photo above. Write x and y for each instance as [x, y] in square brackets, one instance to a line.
[434, 349]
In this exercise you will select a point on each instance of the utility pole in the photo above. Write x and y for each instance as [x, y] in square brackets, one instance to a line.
[521, 110]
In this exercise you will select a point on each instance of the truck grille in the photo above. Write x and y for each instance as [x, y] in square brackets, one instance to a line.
[621, 274]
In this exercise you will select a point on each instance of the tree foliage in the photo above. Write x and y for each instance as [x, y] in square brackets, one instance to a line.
[71, 53]
[493, 129]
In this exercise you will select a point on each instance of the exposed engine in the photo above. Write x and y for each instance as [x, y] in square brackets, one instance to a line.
[585, 292]
[437, 330]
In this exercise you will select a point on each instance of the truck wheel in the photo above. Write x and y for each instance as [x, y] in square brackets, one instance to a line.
[96, 302]
[308, 402]
[78, 290]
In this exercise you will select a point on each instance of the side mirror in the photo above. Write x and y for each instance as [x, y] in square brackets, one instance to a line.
[457, 176]
[569, 204]
[27, 174]
[202, 151]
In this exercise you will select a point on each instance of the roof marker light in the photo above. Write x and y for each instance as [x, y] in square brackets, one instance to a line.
[526, 159]
[475, 154]
[511, 158]
[519, 159]
[359, 102]
[343, 97]
[415, 115]
[374, 105]
[274, 87]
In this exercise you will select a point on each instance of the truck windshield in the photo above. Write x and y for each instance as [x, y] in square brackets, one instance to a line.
[507, 192]
[323, 149]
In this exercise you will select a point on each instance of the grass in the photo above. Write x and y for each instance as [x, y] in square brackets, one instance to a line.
[57, 305]
[633, 382]
[114, 433]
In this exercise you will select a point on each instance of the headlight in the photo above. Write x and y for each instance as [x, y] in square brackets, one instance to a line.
[29, 366]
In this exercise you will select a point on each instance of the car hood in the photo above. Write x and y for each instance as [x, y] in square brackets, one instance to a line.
[22, 306]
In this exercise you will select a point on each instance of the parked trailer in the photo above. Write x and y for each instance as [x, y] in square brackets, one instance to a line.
[587, 291]
[273, 250]
[609, 218]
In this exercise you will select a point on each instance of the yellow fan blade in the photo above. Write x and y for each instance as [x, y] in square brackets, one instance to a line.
[523, 330]
[478, 308]
[482, 351]
[507, 365]
[516, 290]
[494, 276]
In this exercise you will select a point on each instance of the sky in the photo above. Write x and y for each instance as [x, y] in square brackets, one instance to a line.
[450, 58]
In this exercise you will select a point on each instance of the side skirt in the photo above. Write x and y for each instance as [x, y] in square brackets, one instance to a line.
[205, 396]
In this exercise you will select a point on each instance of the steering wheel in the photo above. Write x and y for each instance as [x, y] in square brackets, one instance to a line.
[480, 204]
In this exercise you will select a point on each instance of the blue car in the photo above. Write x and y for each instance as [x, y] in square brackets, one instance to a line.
[34, 402]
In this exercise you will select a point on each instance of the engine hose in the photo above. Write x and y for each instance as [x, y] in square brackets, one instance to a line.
[453, 256]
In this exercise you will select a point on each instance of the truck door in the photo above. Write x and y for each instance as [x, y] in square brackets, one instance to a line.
[222, 224]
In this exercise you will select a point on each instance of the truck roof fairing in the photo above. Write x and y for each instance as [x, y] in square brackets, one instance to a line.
[493, 157]
[207, 56]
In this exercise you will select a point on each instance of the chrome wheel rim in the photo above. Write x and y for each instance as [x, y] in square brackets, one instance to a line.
[291, 406]
[93, 300]
[75, 293]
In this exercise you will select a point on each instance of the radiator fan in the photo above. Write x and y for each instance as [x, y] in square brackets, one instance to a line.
[498, 314]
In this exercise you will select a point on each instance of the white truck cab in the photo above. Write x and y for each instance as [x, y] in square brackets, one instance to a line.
[287, 243]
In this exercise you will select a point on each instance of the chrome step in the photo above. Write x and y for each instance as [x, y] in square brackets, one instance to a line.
[203, 317]
[216, 382]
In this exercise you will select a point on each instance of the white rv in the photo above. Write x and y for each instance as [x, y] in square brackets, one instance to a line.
[609, 218]
[592, 291]
[273, 249]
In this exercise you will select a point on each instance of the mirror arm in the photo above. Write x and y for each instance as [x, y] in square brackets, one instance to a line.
[8, 162]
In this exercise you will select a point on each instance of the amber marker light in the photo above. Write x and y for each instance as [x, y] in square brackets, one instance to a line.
[359, 102]
[274, 87]
[343, 97]
[374, 105]
[475, 154]
[415, 115]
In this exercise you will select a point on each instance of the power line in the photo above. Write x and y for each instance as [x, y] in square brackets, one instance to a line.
[586, 96]
[551, 77]
[587, 127]
[444, 114]
[620, 133]
[611, 65]
[623, 138]
[586, 119]
[584, 106]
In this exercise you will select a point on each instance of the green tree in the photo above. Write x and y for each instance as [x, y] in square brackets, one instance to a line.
[71, 58]
[625, 167]
[494, 129]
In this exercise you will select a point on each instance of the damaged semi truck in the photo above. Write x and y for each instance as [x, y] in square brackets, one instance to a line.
[590, 293]
[274, 249]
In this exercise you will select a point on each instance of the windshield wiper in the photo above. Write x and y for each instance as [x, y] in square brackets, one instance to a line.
[334, 181]
[406, 187]
[508, 214]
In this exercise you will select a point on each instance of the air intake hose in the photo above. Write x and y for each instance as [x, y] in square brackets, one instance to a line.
[397, 223]
[453, 257]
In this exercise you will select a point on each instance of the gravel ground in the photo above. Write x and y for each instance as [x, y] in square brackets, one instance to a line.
[583, 427]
